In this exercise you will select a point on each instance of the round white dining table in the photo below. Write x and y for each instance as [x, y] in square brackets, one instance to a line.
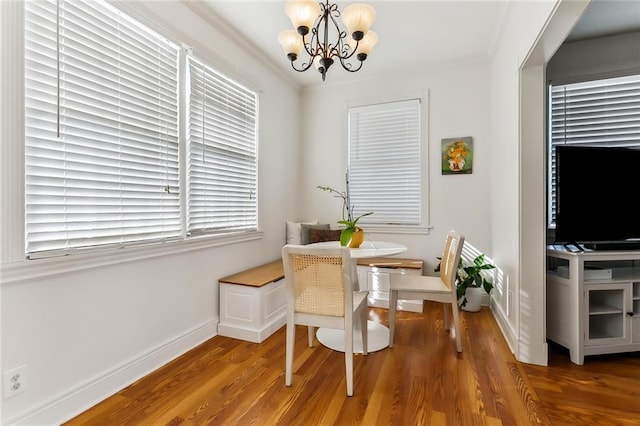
[378, 334]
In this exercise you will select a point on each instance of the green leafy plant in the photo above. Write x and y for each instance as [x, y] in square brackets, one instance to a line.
[471, 276]
[348, 220]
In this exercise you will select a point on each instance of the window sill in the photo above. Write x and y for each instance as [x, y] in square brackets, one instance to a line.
[396, 229]
[16, 273]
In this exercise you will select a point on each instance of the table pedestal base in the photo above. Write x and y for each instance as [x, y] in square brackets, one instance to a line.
[378, 338]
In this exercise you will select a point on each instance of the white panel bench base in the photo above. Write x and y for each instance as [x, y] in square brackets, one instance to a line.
[253, 303]
[252, 313]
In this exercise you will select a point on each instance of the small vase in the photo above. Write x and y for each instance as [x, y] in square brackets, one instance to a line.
[357, 237]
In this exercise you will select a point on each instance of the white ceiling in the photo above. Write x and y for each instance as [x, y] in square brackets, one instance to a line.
[416, 34]
[607, 17]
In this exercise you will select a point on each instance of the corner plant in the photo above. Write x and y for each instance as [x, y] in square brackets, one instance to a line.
[349, 222]
[471, 276]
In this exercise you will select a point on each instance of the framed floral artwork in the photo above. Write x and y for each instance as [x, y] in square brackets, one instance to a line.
[457, 156]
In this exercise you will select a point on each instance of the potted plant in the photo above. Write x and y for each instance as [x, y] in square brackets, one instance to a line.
[470, 283]
[351, 235]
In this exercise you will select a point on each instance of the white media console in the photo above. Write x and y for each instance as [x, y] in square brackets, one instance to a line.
[593, 301]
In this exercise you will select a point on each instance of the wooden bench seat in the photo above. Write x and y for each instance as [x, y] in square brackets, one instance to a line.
[252, 302]
[258, 276]
[391, 262]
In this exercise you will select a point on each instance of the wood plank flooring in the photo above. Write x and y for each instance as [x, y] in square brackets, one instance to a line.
[420, 381]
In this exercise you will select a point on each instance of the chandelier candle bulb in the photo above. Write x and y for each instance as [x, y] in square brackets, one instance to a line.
[358, 18]
[317, 30]
[302, 14]
[291, 43]
[366, 44]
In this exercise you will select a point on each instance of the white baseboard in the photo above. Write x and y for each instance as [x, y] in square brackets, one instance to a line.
[505, 327]
[524, 351]
[77, 400]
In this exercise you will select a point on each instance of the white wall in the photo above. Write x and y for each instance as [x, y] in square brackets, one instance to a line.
[518, 35]
[533, 32]
[458, 99]
[86, 326]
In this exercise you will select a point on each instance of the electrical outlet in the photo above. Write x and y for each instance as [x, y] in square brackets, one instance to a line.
[14, 381]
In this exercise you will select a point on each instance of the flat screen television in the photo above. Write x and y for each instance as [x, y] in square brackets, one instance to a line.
[597, 195]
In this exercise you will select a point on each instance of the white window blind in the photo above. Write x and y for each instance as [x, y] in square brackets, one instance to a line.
[222, 153]
[101, 129]
[385, 162]
[599, 112]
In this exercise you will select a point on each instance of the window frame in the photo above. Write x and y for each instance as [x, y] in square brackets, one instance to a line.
[239, 140]
[589, 83]
[424, 226]
[185, 240]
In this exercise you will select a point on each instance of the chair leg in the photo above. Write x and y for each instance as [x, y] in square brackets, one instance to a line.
[393, 302]
[447, 319]
[456, 326]
[364, 317]
[291, 338]
[311, 331]
[348, 357]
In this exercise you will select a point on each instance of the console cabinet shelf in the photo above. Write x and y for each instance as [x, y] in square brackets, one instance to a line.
[593, 301]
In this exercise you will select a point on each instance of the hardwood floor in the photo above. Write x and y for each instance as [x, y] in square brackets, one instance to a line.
[420, 381]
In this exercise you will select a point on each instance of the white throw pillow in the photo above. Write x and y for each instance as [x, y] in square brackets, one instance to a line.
[294, 231]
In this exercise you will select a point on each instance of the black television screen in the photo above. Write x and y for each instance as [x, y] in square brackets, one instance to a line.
[597, 193]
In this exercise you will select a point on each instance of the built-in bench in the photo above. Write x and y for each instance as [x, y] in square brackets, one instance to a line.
[373, 273]
[253, 302]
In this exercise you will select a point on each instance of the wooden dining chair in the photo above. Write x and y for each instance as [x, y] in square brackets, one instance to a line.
[322, 291]
[440, 288]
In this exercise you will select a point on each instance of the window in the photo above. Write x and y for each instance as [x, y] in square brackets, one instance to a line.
[385, 162]
[222, 153]
[602, 112]
[102, 156]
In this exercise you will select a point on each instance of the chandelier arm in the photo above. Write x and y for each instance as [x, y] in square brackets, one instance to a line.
[342, 48]
[305, 66]
[308, 45]
[310, 51]
[345, 52]
[348, 65]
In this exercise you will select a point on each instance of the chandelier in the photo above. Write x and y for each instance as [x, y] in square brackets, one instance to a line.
[325, 42]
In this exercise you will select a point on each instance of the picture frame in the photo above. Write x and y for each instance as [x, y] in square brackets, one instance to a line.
[457, 156]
